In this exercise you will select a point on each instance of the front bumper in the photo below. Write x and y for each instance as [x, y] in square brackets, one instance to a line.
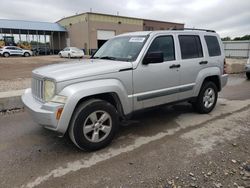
[224, 79]
[247, 68]
[42, 113]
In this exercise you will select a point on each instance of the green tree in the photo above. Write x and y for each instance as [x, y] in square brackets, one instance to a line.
[226, 39]
[245, 37]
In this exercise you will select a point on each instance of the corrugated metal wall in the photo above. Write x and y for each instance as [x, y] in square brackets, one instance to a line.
[237, 48]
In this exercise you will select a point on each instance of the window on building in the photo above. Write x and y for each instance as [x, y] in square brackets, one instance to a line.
[190, 46]
[213, 46]
[164, 44]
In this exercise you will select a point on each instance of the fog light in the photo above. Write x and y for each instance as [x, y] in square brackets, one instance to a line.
[59, 113]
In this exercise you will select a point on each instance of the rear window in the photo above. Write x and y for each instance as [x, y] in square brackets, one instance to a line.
[190, 46]
[213, 46]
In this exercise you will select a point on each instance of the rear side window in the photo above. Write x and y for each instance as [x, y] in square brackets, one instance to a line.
[213, 46]
[190, 46]
[164, 44]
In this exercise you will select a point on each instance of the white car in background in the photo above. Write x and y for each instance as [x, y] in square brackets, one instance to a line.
[70, 52]
[14, 51]
[248, 69]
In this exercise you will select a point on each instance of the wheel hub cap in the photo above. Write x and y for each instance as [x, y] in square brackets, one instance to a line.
[209, 98]
[97, 126]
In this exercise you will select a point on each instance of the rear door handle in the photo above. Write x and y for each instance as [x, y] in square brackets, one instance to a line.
[174, 66]
[203, 62]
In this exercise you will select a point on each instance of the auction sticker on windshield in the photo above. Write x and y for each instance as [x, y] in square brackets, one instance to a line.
[137, 39]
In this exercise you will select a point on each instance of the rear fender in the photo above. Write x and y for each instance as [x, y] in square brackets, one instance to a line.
[203, 74]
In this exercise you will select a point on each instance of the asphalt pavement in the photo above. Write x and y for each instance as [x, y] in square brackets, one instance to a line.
[169, 146]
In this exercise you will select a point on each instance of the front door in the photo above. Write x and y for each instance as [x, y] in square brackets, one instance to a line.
[156, 84]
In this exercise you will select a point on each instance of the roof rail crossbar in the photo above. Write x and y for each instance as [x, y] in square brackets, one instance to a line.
[193, 29]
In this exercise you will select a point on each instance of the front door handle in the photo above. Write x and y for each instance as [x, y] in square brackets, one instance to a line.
[203, 62]
[174, 66]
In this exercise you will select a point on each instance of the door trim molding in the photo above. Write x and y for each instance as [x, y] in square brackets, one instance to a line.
[163, 92]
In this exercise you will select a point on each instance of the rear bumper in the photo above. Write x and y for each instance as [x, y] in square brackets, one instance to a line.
[224, 79]
[43, 114]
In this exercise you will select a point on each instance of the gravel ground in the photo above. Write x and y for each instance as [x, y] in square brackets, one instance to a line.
[17, 84]
[15, 72]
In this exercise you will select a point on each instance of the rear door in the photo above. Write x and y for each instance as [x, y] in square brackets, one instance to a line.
[192, 61]
[11, 50]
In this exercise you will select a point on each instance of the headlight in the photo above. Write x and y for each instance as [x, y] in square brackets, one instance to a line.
[49, 90]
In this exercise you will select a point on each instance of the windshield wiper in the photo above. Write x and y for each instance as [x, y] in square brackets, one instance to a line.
[108, 57]
[111, 58]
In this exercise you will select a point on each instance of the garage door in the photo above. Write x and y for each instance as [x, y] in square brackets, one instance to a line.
[105, 35]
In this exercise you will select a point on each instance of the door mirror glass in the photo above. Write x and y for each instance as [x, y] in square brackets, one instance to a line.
[153, 57]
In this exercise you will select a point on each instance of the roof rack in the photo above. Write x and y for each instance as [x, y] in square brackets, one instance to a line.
[193, 29]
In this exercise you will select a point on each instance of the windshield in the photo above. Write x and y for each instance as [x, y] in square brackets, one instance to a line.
[125, 48]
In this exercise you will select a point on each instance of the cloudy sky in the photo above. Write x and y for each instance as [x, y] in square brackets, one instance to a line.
[227, 17]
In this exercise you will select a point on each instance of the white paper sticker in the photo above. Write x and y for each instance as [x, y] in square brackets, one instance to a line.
[137, 39]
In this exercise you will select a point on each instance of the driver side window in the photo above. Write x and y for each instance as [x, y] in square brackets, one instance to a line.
[164, 44]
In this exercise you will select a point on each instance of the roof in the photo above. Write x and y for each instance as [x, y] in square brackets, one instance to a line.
[120, 17]
[170, 31]
[30, 25]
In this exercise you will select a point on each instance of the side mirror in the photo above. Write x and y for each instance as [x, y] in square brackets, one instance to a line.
[153, 57]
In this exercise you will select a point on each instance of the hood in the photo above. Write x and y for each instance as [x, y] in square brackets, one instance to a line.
[80, 69]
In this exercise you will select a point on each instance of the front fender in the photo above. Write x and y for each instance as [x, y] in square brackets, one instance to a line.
[76, 92]
[203, 74]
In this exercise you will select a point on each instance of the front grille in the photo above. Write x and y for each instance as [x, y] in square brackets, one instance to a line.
[37, 87]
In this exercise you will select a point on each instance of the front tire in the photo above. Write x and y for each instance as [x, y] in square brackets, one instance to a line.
[248, 75]
[93, 125]
[207, 98]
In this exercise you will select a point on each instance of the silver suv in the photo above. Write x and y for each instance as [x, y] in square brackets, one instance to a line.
[128, 73]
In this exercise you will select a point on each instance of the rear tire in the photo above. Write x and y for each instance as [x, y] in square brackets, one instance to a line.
[248, 75]
[93, 125]
[206, 99]
[26, 54]
[6, 54]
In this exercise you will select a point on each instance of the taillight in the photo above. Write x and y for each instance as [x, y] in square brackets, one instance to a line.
[225, 67]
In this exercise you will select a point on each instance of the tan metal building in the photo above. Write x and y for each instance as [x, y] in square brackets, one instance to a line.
[90, 30]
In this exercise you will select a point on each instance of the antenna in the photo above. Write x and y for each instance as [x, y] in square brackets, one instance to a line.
[117, 13]
[90, 9]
